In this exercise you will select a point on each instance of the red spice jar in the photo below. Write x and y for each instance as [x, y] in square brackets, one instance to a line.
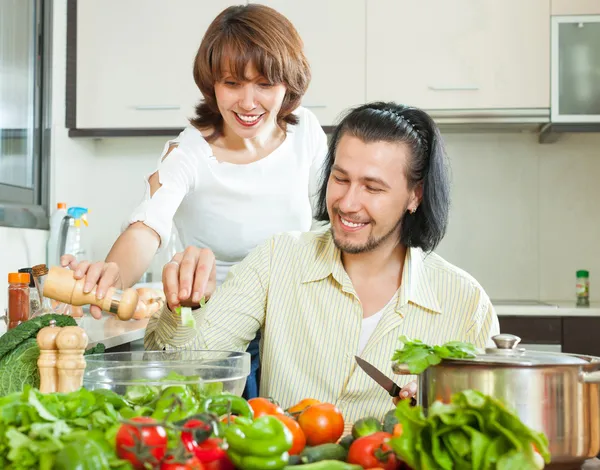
[18, 299]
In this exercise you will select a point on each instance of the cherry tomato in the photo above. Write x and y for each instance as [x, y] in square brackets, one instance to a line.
[264, 406]
[373, 451]
[299, 441]
[142, 440]
[321, 424]
[188, 463]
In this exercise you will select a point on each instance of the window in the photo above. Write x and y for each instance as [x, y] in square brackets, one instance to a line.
[24, 55]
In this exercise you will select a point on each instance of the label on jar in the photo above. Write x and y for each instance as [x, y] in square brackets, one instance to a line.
[582, 288]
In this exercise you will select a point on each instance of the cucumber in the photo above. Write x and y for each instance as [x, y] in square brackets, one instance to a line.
[323, 452]
[347, 441]
[326, 465]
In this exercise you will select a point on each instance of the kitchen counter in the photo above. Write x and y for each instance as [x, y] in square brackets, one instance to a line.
[545, 309]
[111, 331]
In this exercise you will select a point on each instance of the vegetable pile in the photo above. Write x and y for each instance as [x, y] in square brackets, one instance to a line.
[418, 356]
[474, 431]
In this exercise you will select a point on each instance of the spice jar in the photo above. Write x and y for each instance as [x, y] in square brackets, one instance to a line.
[34, 297]
[18, 299]
[583, 288]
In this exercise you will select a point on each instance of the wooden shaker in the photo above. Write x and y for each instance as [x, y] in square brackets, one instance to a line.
[71, 343]
[46, 339]
[62, 286]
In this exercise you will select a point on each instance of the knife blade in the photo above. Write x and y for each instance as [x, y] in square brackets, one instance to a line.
[383, 380]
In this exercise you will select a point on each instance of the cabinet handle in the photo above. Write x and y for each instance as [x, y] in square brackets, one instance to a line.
[454, 88]
[156, 107]
[313, 106]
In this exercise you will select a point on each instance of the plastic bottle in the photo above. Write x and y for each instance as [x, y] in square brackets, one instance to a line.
[75, 244]
[52, 249]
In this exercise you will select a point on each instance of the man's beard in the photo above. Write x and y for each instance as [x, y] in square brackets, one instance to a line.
[371, 244]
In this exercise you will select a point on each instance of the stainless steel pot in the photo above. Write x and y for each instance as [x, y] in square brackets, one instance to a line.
[555, 393]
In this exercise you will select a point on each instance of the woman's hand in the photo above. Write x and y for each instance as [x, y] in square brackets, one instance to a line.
[408, 391]
[99, 275]
[189, 276]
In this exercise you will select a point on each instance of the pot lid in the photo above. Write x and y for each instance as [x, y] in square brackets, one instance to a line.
[506, 353]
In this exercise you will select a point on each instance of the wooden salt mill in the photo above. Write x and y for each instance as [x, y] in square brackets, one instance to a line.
[62, 286]
[71, 343]
[46, 339]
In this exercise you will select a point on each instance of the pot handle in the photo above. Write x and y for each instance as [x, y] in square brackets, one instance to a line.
[401, 369]
[590, 377]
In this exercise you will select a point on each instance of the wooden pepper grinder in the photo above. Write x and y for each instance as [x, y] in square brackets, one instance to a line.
[62, 286]
[46, 339]
[71, 343]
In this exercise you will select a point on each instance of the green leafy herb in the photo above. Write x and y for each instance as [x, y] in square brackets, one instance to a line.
[19, 367]
[474, 431]
[418, 356]
[98, 349]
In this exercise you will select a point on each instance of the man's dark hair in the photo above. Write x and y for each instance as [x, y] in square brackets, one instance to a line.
[391, 122]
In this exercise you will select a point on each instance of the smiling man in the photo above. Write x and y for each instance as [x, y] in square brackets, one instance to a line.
[320, 298]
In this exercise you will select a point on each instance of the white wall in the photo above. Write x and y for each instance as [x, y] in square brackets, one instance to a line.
[525, 216]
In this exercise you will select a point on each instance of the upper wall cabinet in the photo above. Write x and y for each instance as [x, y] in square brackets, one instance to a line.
[459, 54]
[134, 61]
[333, 32]
[575, 7]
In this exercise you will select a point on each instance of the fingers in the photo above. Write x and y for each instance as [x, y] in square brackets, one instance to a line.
[409, 390]
[205, 272]
[110, 276]
[170, 278]
[187, 272]
[96, 312]
[68, 261]
[81, 269]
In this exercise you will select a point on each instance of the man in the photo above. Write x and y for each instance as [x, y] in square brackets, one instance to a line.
[352, 288]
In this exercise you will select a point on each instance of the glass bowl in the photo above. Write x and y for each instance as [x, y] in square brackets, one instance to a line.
[128, 373]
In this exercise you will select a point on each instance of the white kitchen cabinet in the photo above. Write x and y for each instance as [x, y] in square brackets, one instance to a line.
[575, 7]
[135, 61]
[333, 32]
[459, 54]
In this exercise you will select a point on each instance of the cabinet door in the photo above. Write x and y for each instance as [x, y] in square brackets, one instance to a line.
[459, 54]
[575, 7]
[333, 32]
[135, 61]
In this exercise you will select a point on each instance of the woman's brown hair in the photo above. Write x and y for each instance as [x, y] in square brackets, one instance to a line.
[255, 34]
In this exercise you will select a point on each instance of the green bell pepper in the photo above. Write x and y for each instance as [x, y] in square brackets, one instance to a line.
[221, 404]
[175, 403]
[258, 445]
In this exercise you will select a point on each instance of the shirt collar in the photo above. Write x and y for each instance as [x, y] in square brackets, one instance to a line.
[416, 287]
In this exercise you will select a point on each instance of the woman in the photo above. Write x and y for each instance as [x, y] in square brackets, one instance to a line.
[245, 168]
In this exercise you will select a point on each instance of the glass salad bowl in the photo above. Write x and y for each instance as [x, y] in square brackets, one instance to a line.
[140, 375]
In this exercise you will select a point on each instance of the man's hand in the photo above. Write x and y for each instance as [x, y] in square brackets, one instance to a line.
[189, 276]
[408, 391]
[98, 275]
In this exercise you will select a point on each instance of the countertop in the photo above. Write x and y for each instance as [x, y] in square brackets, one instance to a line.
[111, 331]
[545, 309]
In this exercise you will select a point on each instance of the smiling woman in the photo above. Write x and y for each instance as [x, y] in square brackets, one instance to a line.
[248, 165]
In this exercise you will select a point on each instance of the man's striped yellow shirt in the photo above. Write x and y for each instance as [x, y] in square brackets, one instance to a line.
[295, 289]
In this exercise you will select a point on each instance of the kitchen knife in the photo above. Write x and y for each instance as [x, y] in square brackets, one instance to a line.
[388, 384]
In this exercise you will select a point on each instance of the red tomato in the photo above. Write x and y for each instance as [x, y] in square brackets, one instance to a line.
[321, 424]
[299, 441]
[143, 440]
[188, 463]
[373, 451]
[264, 406]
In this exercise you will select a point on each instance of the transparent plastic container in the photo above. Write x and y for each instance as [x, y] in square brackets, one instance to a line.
[121, 371]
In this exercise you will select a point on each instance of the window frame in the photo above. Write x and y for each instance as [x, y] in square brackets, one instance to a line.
[28, 207]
